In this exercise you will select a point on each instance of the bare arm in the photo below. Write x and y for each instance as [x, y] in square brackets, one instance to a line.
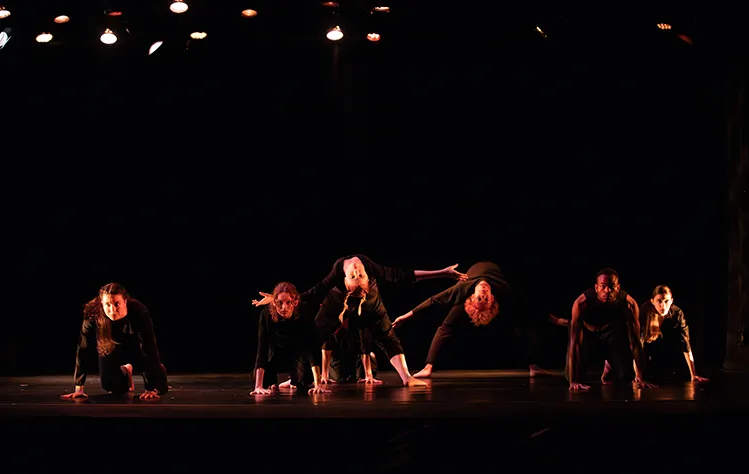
[633, 330]
[576, 338]
[447, 272]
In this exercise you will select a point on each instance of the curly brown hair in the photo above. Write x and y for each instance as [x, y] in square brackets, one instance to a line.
[284, 287]
[95, 311]
[481, 312]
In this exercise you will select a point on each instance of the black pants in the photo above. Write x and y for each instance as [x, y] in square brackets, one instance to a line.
[612, 345]
[523, 340]
[347, 365]
[284, 359]
[113, 379]
[666, 361]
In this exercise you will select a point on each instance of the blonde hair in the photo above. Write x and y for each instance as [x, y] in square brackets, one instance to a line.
[345, 302]
[481, 312]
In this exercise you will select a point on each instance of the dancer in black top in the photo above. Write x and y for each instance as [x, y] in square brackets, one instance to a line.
[665, 338]
[355, 278]
[477, 301]
[605, 317]
[119, 328]
[286, 335]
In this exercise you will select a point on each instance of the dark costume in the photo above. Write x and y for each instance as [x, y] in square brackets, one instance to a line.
[665, 340]
[135, 344]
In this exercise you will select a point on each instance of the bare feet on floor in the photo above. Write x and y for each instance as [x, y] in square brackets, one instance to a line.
[423, 373]
[536, 371]
[414, 382]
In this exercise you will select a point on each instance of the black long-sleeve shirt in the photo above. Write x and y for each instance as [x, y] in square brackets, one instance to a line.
[296, 336]
[132, 333]
[673, 327]
[336, 278]
[459, 292]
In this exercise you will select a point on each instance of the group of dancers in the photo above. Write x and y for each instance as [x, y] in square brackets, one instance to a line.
[329, 333]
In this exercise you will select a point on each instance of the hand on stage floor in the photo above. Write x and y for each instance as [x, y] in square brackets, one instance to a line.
[150, 395]
[78, 394]
[578, 387]
[317, 389]
[267, 298]
[371, 380]
[261, 391]
[326, 380]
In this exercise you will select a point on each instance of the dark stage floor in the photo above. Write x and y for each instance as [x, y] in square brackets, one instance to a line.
[464, 419]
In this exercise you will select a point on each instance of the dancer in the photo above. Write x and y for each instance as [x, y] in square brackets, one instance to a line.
[121, 331]
[665, 338]
[355, 279]
[476, 301]
[606, 318]
[286, 335]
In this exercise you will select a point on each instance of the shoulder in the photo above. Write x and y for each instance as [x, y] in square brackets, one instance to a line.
[631, 303]
[676, 311]
[581, 300]
[136, 307]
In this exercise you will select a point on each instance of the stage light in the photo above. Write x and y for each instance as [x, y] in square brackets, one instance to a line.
[4, 37]
[198, 35]
[382, 9]
[685, 38]
[44, 38]
[330, 4]
[664, 26]
[249, 13]
[154, 47]
[373, 37]
[178, 6]
[4, 12]
[113, 13]
[62, 19]
[334, 34]
[108, 37]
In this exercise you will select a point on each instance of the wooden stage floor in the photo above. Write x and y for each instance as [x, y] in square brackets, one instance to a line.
[463, 419]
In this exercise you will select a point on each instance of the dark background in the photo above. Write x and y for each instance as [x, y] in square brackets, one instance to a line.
[207, 172]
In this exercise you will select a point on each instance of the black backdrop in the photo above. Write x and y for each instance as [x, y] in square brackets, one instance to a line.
[199, 177]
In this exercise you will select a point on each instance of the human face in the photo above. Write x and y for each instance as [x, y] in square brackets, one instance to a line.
[285, 305]
[115, 306]
[482, 292]
[607, 288]
[662, 303]
[357, 279]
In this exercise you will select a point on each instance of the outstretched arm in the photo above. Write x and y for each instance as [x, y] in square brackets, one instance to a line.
[447, 272]
[448, 297]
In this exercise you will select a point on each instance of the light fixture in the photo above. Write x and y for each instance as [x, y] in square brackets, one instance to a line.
[382, 9]
[4, 37]
[198, 35]
[108, 37]
[178, 6]
[4, 12]
[334, 34]
[664, 26]
[330, 4]
[44, 38]
[113, 13]
[249, 13]
[374, 37]
[60, 19]
[154, 47]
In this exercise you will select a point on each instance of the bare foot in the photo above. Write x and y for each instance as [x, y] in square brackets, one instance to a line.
[536, 371]
[423, 373]
[414, 382]
[127, 369]
[286, 384]
[605, 375]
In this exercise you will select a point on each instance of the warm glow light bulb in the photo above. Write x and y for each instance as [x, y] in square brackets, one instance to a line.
[108, 37]
[249, 13]
[198, 35]
[44, 38]
[373, 37]
[178, 6]
[4, 12]
[62, 19]
[334, 34]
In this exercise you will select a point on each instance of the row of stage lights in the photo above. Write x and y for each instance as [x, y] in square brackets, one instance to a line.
[108, 37]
